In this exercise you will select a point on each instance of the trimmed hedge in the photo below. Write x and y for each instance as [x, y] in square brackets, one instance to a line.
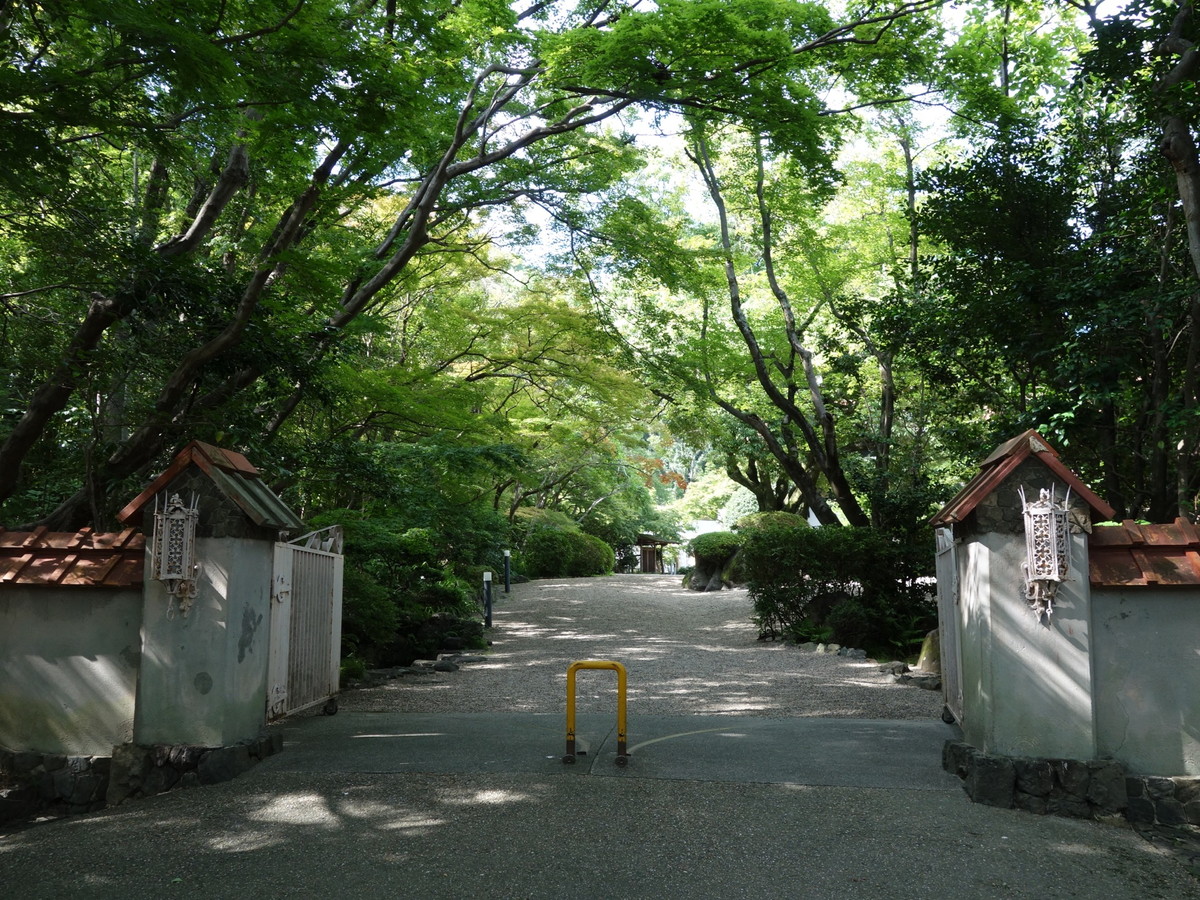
[561, 554]
[770, 519]
[591, 556]
[856, 586]
[715, 548]
[717, 561]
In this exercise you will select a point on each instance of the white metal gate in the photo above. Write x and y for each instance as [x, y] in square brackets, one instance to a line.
[306, 623]
[949, 621]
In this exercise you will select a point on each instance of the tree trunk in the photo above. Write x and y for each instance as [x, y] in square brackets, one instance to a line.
[1180, 150]
[52, 395]
[819, 428]
[1188, 445]
[772, 493]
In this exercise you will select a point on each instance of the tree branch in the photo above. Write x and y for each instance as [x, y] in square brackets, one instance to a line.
[262, 32]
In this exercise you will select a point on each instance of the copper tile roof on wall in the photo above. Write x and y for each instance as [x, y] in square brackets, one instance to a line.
[233, 474]
[1133, 555]
[1002, 462]
[72, 559]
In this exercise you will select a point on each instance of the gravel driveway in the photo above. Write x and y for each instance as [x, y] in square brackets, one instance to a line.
[685, 652]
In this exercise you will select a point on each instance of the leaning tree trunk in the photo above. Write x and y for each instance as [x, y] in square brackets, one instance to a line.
[408, 236]
[797, 374]
[52, 396]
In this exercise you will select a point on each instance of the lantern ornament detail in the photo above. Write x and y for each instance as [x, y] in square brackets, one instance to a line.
[174, 549]
[1047, 549]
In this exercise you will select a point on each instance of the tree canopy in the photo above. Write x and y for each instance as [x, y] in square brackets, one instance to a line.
[437, 265]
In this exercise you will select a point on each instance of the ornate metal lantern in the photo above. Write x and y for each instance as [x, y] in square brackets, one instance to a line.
[174, 553]
[1047, 548]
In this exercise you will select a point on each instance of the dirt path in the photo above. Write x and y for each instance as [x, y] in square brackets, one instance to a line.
[686, 653]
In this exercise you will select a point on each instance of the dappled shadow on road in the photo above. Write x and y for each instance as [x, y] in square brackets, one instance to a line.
[267, 835]
[685, 652]
[278, 832]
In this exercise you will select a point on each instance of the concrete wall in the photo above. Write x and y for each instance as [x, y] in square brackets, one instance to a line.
[1027, 684]
[1147, 678]
[974, 640]
[204, 676]
[68, 668]
[1113, 674]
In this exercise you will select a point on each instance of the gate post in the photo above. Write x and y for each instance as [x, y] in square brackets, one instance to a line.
[280, 625]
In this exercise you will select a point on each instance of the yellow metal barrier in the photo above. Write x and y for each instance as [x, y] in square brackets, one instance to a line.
[622, 753]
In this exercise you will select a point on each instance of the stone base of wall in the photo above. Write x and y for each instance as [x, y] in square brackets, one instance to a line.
[1085, 789]
[143, 771]
[1088, 789]
[33, 784]
[1155, 800]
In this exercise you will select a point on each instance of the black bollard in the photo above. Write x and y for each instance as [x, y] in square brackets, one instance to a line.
[487, 599]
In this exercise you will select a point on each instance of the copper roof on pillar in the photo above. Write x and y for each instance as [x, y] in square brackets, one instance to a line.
[233, 474]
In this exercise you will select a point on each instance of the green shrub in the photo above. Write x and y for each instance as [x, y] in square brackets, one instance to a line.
[369, 612]
[858, 586]
[590, 556]
[714, 549]
[396, 580]
[353, 669]
[423, 636]
[565, 554]
[626, 559]
[770, 519]
[545, 554]
[449, 594]
[530, 519]
[851, 623]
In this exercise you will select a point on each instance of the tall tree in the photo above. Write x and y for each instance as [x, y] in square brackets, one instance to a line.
[786, 371]
[301, 113]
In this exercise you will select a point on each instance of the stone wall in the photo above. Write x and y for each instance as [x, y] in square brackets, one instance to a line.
[1001, 512]
[143, 771]
[36, 783]
[1086, 789]
[1163, 801]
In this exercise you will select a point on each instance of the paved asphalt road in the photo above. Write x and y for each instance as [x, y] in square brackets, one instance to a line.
[481, 806]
